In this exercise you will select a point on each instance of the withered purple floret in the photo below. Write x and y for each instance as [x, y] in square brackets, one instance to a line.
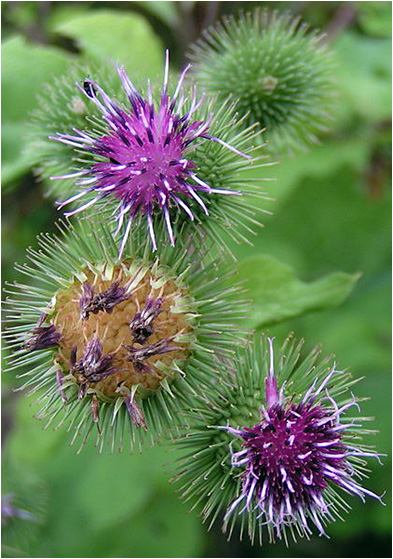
[135, 412]
[142, 324]
[42, 337]
[104, 301]
[60, 384]
[94, 366]
[138, 355]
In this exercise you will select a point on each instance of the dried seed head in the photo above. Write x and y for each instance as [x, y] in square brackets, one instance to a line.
[98, 350]
[134, 336]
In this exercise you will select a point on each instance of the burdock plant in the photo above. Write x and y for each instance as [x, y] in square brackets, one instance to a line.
[278, 70]
[119, 345]
[278, 446]
[125, 326]
[166, 155]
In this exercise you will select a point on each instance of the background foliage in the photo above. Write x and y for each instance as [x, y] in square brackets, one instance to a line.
[329, 235]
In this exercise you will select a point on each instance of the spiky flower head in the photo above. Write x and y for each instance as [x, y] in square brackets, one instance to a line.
[278, 447]
[166, 157]
[277, 70]
[116, 345]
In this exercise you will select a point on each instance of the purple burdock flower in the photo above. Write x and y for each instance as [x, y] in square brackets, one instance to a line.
[293, 456]
[145, 160]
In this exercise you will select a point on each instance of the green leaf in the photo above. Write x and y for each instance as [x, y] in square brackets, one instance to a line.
[103, 505]
[278, 295]
[15, 161]
[365, 74]
[166, 11]
[319, 162]
[123, 38]
[26, 67]
[162, 529]
[375, 18]
[127, 481]
[30, 444]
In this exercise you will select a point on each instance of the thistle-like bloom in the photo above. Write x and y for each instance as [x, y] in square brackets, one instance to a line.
[287, 466]
[131, 338]
[293, 453]
[277, 70]
[143, 156]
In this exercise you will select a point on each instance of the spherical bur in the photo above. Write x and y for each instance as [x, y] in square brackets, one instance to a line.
[278, 459]
[131, 339]
[279, 72]
[160, 156]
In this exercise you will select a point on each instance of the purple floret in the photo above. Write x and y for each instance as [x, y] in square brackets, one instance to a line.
[142, 324]
[42, 337]
[139, 355]
[94, 366]
[90, 302]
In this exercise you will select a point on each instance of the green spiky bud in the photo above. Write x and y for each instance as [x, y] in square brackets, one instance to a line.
[168, 155]
[277, 70]
[276, 447]
[119, 346]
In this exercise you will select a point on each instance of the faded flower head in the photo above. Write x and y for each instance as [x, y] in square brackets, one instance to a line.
[288, 466]
[117, 343]
[277, 70]
[144, 157]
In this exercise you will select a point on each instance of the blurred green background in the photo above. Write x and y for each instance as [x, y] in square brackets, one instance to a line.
[331, 214]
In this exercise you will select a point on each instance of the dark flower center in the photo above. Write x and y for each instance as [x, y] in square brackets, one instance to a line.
[290, 449]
